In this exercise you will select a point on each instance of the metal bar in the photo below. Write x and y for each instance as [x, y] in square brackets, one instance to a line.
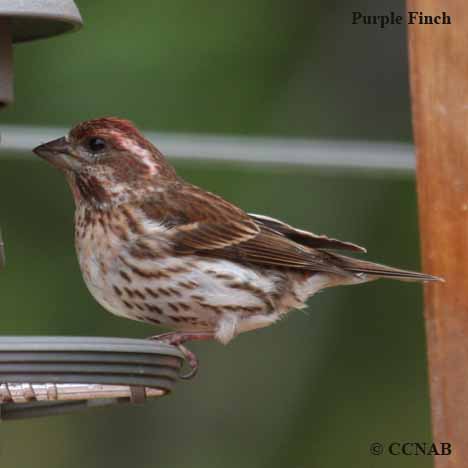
[438, 71]
[349, 155]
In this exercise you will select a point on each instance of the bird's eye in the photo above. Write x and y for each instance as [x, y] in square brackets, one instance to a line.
[96, 144]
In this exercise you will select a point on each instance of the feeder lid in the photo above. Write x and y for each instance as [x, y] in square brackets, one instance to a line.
[37, 19]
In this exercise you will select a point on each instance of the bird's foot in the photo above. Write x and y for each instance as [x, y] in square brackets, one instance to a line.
[178, 339]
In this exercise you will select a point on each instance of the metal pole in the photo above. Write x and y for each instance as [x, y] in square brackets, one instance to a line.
[439, 88]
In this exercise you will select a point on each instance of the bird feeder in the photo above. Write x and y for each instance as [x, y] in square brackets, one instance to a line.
[44, 375]
[41, 376]
[28, 20]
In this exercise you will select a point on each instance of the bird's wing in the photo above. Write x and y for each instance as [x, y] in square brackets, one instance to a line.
[204, 224]
[307, 238]
[199, 220]
[201, 223]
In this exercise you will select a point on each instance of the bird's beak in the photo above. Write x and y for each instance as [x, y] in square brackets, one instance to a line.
[58, 153]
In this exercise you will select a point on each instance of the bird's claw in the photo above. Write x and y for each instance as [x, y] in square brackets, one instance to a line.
[173, 339]
[191, 359]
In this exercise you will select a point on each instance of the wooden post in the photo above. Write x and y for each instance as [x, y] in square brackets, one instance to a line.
[439, 89]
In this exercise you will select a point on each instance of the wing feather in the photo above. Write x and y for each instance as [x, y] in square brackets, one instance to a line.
[307, 238]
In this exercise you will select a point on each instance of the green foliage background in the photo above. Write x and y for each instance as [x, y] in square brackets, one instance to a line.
[319, 387]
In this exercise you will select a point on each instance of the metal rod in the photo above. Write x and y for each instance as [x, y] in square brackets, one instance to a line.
[439, 88]
[348, 155]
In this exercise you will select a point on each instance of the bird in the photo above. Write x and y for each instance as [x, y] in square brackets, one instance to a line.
[154, 248]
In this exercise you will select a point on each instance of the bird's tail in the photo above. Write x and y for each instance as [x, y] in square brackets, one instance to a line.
[376, 270]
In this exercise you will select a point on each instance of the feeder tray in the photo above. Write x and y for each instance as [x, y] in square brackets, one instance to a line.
[42, 376]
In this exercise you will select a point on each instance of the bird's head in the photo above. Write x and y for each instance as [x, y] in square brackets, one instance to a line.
[107, 160]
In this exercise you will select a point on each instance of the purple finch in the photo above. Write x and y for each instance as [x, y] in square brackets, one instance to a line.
[155, 248]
